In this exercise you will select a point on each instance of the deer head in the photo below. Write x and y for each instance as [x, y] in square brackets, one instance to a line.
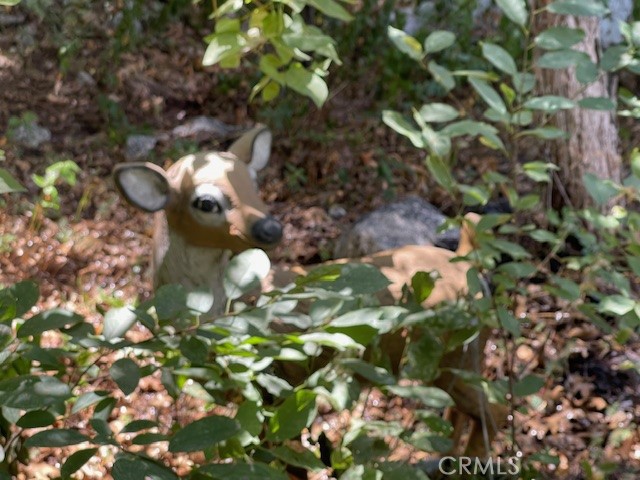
[208, 198]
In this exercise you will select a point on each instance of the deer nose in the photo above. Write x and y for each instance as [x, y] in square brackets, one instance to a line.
[267, 230]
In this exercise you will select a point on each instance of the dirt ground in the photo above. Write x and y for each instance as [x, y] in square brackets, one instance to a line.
[93, 253]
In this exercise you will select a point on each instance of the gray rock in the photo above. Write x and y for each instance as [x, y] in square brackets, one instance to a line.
[337, 212]
[412, 221]
[9, 20]
[206, 128]
[139, 147]
[30, 135]
[86, 79]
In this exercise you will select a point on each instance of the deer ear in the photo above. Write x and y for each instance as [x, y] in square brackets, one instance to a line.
[143, 185]
[254, 147]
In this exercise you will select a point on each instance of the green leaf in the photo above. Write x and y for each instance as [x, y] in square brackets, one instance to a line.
[8, 184]
[528, 385]
[539, 171]
[614, 58]
[510, 248]
[634, 160]
[309, 39]
[376, 375]
[32, 392]
[499, 57]
[516, 269]
[170, 302]
[565, 288]
[228, 7]
[559, 38]
[617, 305]
[276, 386]
[242, 471]
[306, 83]
[428, 442]
[405, 43]
[559, 59]
[437, 143]
[509, 322]
[357, 279]
[488, 94]
[204, 433]
[245, 272]
[597, 103]
[441, 75]
[331, 8]
[24, 295]
[56, 437]
[400, 124]
[546, 133]
[50, 320]
[148, 438]
[117, 322]
[339, 341]
[422, 284]
[586, 71]
[475, 195]
[523, 82]
[76, 461]
[438, 112]
[470, 128]
[601, 190]
[588, 8]
[441, 172]
[271, 91]
[295, 413]
[87, 399]
[137, 425]
[130, 467]
[438, 40]
[515, 10]
[429, 396]
[423, 358]
[223, 46]
[126, 373]
[36, 419]
[303, 459]
[549, 103]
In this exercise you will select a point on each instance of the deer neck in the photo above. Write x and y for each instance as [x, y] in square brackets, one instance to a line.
[177, 262]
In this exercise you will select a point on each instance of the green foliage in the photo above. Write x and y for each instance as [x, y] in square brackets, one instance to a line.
[596, 283]
[275, 374]
[292, 52]
[8, 184]
[60, 172]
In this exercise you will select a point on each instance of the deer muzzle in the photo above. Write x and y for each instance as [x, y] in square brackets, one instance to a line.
[267, 231]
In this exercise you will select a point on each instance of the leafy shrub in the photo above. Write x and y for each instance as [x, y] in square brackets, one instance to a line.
[272, 379]
[588, 258]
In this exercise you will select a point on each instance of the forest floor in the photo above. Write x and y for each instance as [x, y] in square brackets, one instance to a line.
[93, 253]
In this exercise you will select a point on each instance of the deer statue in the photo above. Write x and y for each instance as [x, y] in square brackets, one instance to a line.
[207, 208]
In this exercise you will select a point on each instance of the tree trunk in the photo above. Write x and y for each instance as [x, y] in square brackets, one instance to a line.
[593, 134]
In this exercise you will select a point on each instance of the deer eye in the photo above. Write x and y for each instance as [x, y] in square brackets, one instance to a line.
[207, 204]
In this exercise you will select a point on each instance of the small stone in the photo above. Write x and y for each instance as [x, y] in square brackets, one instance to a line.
[30, 135]
[86, 79]
[205, 128]
[337, 212]
[139, 146]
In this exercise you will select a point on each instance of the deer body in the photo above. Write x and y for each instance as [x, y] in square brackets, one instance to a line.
[208, 208]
